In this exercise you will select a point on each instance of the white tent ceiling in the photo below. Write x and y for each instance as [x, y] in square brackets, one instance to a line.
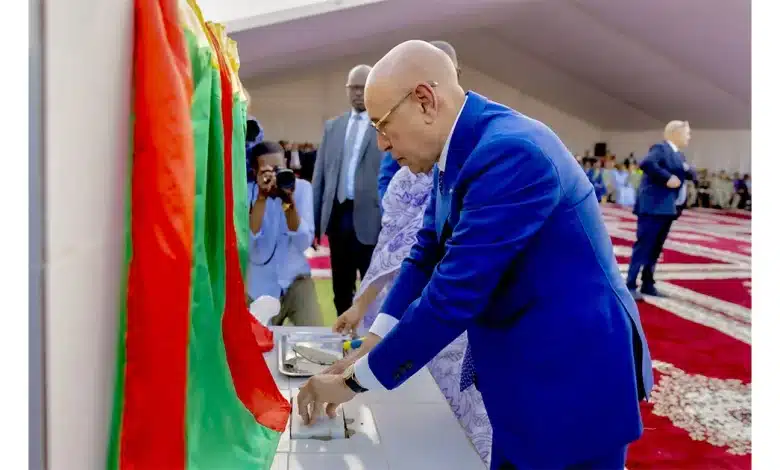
[619, 64]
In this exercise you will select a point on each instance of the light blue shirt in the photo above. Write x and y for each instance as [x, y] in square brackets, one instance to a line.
[354, 153]
[276, 254]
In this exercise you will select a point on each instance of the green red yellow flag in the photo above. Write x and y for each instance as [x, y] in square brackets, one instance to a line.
[192, 388]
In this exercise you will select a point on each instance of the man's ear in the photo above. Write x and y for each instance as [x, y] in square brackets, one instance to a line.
[427, 101]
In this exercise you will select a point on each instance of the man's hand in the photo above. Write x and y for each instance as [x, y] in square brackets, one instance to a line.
[287, 195]
[266, 181]
[338, 367]
[347, 322]
[322, 392]
[673, 183]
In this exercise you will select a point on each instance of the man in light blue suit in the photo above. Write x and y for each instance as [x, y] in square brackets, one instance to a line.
[514, 251]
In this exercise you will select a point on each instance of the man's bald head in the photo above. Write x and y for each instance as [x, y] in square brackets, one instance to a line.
[411, 62]
[358, 75]
[413, 97]
[356, 82]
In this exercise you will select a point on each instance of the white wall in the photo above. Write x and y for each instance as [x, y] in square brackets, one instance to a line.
[295, 106]
[87, 79]
[711, 149]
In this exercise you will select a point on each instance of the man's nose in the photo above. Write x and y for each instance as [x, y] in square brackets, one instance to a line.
[383, 142]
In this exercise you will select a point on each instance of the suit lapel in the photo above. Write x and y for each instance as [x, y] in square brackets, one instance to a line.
[464, 139]
[340, 134]
[368, 137]
[676, 155]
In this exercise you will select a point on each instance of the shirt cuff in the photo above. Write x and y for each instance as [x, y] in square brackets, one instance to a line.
[365, 377]
[383, 324]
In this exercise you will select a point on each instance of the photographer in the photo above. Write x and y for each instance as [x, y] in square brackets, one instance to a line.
[281, 222]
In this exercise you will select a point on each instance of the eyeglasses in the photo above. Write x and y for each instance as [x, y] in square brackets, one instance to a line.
[377, 125]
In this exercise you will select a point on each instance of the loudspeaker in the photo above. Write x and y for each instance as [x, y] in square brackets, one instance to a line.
[600, 149]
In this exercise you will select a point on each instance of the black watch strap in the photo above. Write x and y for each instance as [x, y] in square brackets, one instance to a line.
[353, 384]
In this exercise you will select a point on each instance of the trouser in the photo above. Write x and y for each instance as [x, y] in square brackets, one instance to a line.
[299, 304]
[347, 255]
[615, 460]
[651, 233]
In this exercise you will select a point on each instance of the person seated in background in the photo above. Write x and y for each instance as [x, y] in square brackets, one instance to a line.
[634, 173]
[587, 165]
[703, 188]
[610, 175]
[722, 191]
[596, 176]
[281, 224]
[692, 196]
[626, 194]
[742, 192]
[735, 178]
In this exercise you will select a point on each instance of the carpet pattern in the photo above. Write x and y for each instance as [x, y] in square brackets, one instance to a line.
[699, 416]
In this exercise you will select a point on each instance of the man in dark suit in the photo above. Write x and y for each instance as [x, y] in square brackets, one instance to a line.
[661, 195]
[346, 204]
[389, 167]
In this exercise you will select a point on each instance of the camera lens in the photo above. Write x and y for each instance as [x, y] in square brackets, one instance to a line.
[285, 178]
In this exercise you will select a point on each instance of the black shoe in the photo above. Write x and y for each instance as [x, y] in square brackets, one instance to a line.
[652, 291]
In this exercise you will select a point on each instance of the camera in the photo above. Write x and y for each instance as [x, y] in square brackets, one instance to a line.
[285, 178]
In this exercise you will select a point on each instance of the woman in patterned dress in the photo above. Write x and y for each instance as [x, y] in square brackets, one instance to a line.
[404, 205]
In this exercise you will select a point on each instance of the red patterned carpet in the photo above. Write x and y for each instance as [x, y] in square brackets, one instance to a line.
[699, 416]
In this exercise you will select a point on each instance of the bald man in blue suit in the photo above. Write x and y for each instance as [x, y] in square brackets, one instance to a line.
[514, 251]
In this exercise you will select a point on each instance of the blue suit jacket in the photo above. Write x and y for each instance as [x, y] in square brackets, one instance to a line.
[387, 169]
[523, 262]
[653, 197]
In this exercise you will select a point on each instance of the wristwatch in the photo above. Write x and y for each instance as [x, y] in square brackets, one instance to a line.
[351, 381]
[286, 206]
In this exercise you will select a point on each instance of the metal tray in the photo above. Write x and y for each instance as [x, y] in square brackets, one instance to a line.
[292, 364]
